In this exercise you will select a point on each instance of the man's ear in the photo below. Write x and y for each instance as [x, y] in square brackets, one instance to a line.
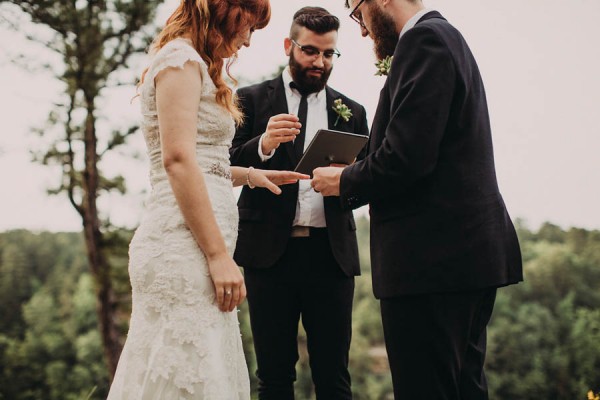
[287, 45]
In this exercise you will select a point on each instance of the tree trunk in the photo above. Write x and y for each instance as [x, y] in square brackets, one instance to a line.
[95, 38]
[95, 251]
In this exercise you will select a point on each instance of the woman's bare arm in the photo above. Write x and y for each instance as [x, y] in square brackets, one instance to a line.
[177, 99]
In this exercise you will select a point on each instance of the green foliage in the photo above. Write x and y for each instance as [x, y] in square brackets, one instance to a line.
[544, 334]
[50, 348]
[542, 340]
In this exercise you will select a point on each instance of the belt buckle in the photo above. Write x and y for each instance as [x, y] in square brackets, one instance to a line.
[300, 231]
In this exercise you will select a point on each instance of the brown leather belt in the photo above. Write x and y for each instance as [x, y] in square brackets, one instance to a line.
[308, 231]
[300, 231]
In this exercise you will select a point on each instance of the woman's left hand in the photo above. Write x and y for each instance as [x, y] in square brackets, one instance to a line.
[273, 179]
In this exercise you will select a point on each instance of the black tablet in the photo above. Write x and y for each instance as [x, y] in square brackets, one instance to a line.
[330, 147]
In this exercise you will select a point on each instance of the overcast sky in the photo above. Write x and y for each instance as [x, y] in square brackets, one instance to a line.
[540, 61]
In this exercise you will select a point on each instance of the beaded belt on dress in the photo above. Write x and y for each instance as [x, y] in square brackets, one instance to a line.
[218, 170]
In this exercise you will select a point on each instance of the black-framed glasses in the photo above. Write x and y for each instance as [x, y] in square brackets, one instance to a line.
[357, 16]
[312, 51]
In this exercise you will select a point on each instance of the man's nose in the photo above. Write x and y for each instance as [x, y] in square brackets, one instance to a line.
[364, 31]
[319, 61]
[247, 42]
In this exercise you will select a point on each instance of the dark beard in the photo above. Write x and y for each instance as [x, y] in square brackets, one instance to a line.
[308, 84]
[384, 33]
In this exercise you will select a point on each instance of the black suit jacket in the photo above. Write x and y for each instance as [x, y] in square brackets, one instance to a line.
[266, 219]
[438, 221]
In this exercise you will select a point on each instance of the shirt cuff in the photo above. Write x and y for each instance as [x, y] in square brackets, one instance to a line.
[263, 157]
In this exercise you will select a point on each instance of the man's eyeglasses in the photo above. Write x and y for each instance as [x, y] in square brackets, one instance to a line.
[312, 51]
[357, 16]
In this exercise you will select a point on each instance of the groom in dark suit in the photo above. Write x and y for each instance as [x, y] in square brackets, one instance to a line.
[441, 238]
[298, 249]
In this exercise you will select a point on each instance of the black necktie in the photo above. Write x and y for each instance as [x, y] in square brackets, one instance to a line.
[302, 112]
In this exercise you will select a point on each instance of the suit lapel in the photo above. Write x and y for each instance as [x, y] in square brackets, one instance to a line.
[331, 115]
[382, 114]
[279, 105]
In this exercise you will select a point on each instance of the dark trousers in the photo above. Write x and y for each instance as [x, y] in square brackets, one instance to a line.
[306, 282]
[436, 344]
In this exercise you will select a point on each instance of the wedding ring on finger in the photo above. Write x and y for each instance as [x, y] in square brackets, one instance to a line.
[228, 292]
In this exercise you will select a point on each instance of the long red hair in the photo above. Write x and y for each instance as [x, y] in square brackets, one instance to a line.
[212, 26]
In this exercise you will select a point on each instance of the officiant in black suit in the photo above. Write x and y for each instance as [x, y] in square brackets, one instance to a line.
[441, 238]
[298, 249]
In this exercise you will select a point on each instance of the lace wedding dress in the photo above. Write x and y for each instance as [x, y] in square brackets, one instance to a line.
[179, 345]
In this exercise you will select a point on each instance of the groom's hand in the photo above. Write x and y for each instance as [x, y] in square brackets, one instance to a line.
[281, 128]
[326, 180]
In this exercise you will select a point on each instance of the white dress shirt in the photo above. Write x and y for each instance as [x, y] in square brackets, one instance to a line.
[309, 208]
[413, 21]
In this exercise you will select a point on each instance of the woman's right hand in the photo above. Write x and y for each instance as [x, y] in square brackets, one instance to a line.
[271, 179]
[228, 281]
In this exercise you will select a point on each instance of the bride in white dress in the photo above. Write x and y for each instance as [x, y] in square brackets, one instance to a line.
[184, 339]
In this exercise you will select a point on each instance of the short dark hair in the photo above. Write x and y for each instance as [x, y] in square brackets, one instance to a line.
[316, 19]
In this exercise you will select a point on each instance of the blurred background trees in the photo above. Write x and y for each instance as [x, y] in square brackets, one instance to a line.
[543, 338]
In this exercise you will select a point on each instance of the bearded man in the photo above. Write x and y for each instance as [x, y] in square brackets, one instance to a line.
[442, 241]
[298, 250]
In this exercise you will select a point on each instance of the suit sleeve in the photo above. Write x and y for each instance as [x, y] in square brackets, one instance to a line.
[244, 147]
[421, 87]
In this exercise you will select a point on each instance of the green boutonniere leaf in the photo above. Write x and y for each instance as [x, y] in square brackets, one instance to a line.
[383, 66]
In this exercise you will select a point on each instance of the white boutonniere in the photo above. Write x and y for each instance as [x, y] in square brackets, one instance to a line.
[341, 110]
[383, 66]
